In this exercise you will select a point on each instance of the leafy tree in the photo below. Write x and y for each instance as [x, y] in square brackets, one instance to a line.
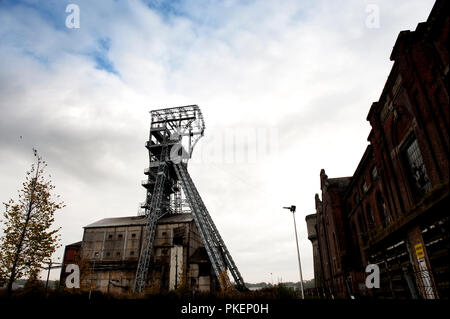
[28, 239]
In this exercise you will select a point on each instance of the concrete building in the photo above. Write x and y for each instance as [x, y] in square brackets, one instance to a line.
[109, 253]
[393, 211]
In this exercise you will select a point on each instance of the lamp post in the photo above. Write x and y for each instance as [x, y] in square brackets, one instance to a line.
[292, 209]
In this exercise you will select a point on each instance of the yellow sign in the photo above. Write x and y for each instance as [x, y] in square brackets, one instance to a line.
[419, 251]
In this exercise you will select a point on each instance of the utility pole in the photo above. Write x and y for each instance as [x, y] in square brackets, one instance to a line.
[292, 209]
[92, 273]
[51, 265]
[48, 275]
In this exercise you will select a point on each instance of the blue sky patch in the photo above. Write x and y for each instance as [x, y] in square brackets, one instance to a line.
[52, 11]
[166, 8]
[101, 58]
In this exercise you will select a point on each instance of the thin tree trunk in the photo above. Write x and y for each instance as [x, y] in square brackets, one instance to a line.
[12, 277]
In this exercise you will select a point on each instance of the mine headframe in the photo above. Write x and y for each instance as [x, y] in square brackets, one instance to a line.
[174, 133]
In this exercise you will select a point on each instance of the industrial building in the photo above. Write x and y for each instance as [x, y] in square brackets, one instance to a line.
[173, 242]
[393, 211]
[111, 248]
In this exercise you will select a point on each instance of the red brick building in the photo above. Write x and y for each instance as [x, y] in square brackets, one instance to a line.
[71, 256]
[393, 211]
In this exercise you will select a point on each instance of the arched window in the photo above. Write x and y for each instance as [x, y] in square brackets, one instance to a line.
[362, 228]
[370, 216]
[382, 210]
[357, 257]
[335, 244]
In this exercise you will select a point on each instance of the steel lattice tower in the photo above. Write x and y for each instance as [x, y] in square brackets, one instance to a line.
[170, 189]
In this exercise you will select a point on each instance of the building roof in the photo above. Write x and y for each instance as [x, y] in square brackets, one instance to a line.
[140, 220]
[340, 182]
[176, 218]
[77, 244]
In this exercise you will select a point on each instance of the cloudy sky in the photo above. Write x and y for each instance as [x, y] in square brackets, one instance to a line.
[284, 86]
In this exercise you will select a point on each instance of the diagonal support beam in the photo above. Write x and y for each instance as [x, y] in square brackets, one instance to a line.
[217, 251]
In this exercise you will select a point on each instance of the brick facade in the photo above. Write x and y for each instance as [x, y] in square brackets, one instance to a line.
[392, 211]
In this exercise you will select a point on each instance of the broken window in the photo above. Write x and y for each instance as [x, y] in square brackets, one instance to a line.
[178, 235]
[418, 176]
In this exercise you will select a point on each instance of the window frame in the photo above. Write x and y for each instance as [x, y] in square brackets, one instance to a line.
[413, 160]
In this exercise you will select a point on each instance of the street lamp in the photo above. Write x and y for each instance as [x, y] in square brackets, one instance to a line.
[292, 209]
